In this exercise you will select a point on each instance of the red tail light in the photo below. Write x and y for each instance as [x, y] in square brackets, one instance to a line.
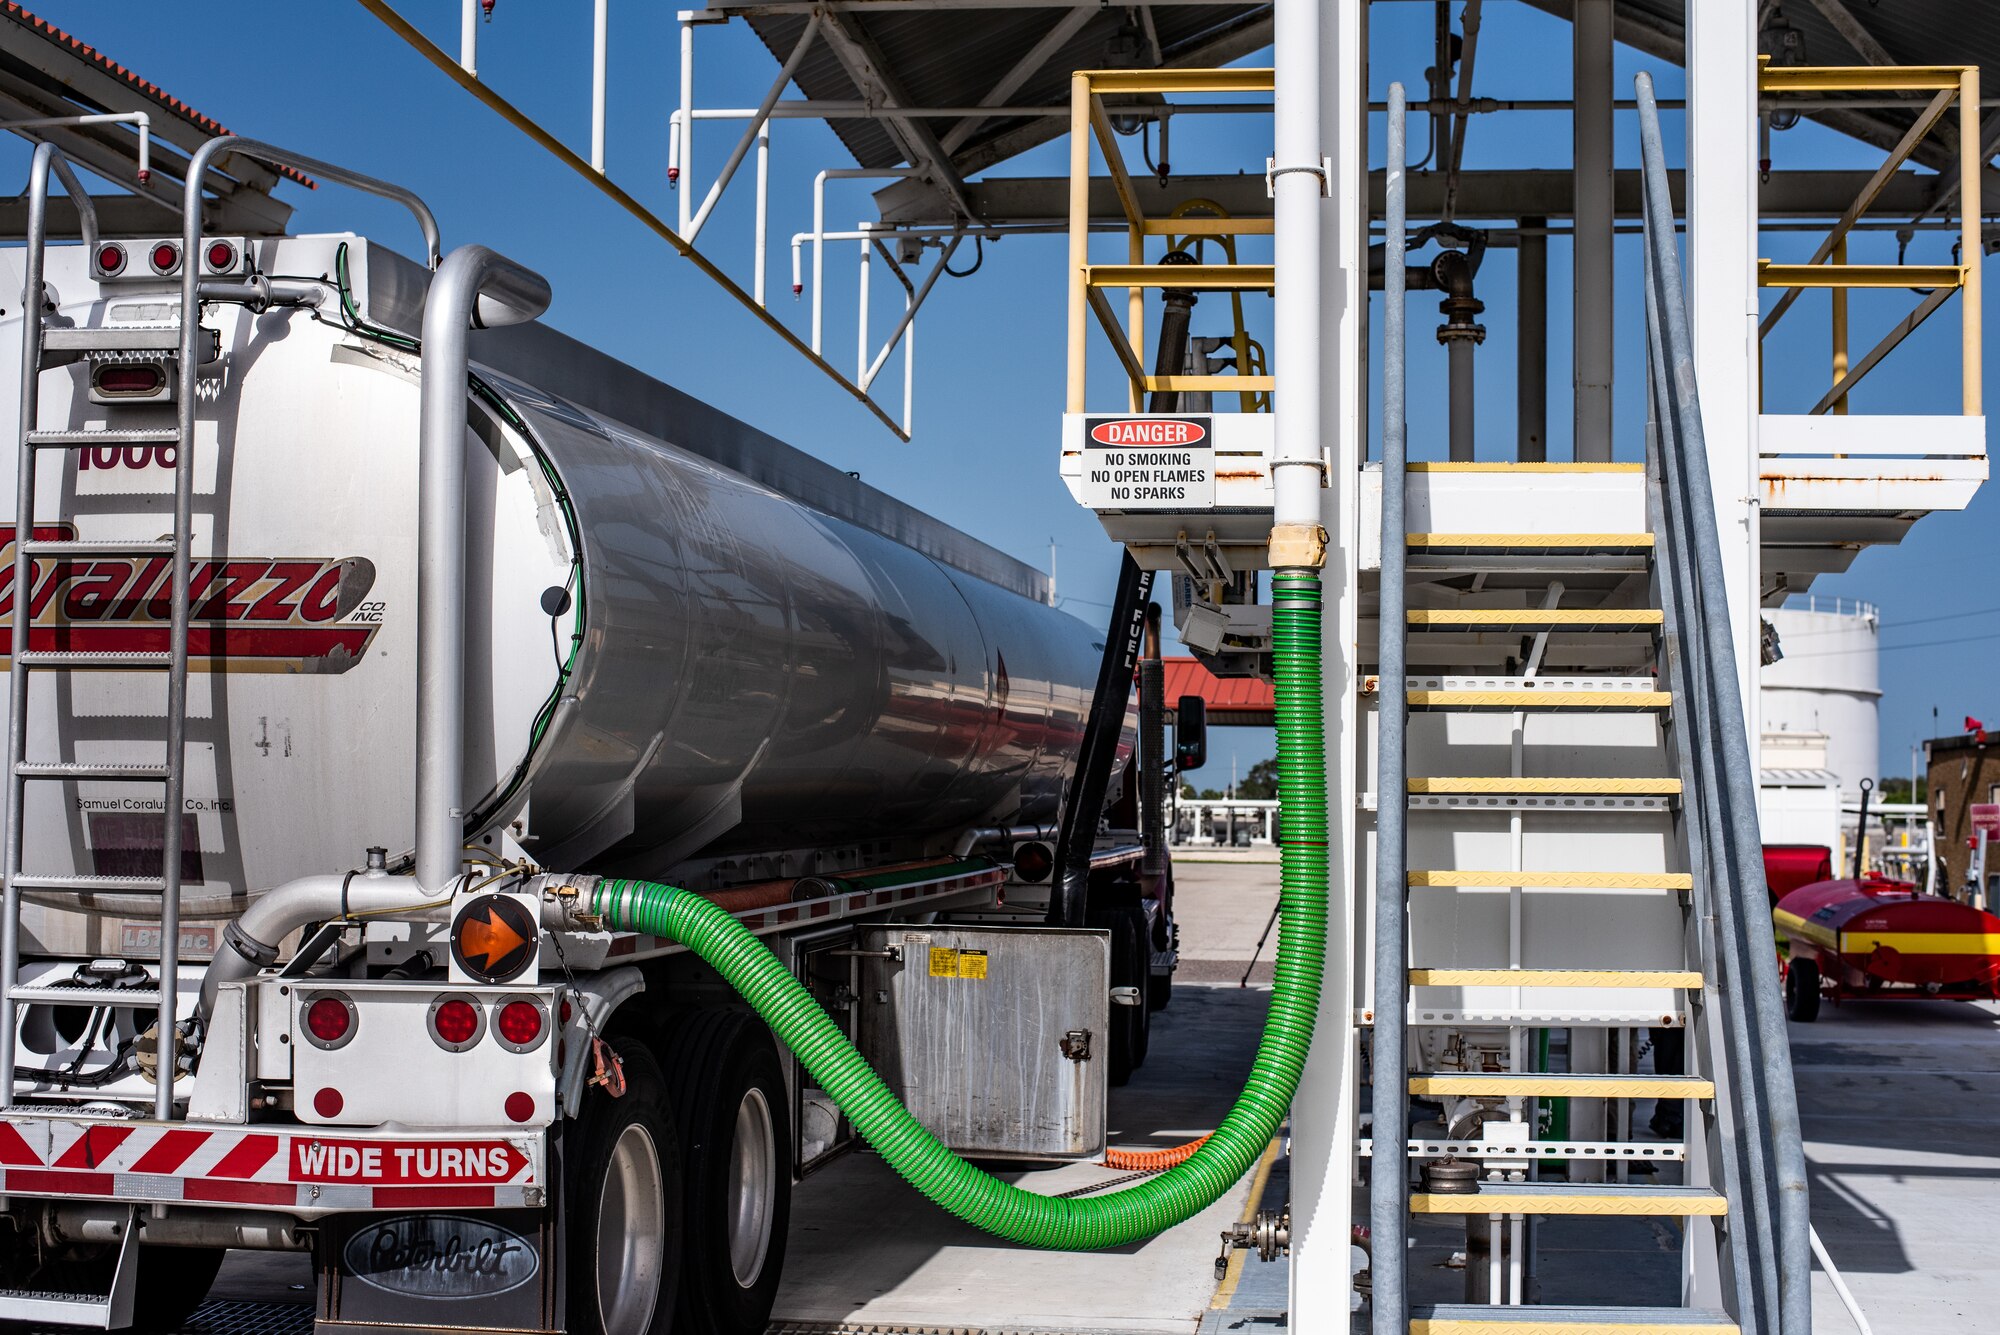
[220, 255]
[456, 1023]
[519, 1024]
[165, 257]
[330, 1020]
[110, 258]
[136, 381]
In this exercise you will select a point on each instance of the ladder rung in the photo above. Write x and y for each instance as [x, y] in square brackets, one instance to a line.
[1675, 978]
[1562, 1198]
[1554, 880]
[77, 995]
[160, 338]
[141, 885]
[100, 547]
[1468, 1319]
[75, 440]
[1513, 1084]
[1517, 699]
[1573, 786]
[1530, 542]
[1508, 618]
[72, 769]
[94, 658]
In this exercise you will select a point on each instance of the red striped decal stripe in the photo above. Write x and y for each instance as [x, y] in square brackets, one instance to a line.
[241, 1193]
[391, 1198]
[14, 1147]
[41, 1181]
[93, 1147]
[250, 1154]
[170, 1151]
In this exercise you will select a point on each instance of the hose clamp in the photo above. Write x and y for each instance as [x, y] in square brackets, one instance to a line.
[1272, 171]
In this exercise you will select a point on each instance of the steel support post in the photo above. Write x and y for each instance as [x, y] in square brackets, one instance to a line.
[1532, 352]
[1595, 223]
[1324, 1118]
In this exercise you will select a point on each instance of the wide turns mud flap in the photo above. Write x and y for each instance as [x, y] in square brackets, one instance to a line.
[302, 1171]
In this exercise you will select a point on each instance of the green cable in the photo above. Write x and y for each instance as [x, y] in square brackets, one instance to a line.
[1080, 1224]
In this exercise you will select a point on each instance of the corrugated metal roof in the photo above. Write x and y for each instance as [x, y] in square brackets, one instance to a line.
[954, 58]
[1232, 701]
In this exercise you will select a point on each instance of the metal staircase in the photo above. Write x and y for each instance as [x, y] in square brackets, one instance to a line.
[1593, 874]
[43, 346]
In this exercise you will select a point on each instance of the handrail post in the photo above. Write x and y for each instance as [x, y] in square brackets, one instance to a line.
[1079, 236]
[1971, 165]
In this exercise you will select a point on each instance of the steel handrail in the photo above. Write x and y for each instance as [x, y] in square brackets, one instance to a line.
[1389, 1096]
[1770, 1229]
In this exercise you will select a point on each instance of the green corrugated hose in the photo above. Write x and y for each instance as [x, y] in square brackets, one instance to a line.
[1151, 1206]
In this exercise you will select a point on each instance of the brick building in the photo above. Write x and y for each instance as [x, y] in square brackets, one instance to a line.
[1962, 770]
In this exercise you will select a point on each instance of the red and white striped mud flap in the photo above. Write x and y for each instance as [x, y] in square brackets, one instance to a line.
[300, 1170]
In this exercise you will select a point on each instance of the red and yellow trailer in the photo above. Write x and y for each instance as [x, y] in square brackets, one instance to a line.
[1884, 940]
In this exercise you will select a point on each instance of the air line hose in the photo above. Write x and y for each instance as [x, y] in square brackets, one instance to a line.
[1140, 1211]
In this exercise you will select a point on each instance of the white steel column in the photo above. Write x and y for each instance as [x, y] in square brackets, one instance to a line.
[1722, 299]
[1595, 221]
[1323, 1113]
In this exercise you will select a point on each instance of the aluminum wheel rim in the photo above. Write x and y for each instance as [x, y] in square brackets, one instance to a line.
[751, 1187]
[631, 1222]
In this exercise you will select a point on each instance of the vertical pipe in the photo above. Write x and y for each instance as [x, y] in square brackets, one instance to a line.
[598, 45]
[1135, 314]
[687, 133]
[1595, 222]
[1079, 237]
[819, 257]
[861, 336]
[1463, 422]
[909, 373]
[1298, 191]
[1839, 256]
[1971, 164]
[763, 205]
[1532, 355]
[1388, 1186]
[468, 37]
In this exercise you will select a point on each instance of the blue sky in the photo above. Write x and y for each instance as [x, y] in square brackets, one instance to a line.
[328, 79]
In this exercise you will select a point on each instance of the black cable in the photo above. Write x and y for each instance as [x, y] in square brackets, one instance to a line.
[978, 258]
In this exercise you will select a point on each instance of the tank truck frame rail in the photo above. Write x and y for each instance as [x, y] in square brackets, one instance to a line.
[1742, 1192]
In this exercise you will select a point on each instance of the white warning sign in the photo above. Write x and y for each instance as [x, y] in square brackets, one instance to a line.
[1148, 463]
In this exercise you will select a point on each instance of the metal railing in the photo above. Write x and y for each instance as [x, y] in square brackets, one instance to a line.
[1758, 1145]
[1829, 268]
[1088, 119]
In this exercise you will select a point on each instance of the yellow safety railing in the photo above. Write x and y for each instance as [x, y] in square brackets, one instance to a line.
[1829, 268]
[1089, 119]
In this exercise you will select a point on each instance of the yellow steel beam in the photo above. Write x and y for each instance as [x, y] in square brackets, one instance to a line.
[1635, 1202]
[1859, 78]
[1971, 166]
[1180, 81]
[1135, 371]
[1218, 383]
[1539, 1086]
[1860, 275]
[1438, 617]
[1560, 880]
[1220, 277]
[1114, 161]
[1078, 325]
[1674, 978]
[1579, 786]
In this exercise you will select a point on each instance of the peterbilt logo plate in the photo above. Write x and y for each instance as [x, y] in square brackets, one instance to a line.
[440, 1256]
[246, 614]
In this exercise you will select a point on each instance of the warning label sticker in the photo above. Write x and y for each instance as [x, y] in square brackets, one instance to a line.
[951, 962]
[1148, 463]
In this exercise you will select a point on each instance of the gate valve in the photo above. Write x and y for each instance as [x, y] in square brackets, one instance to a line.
[607, 1070]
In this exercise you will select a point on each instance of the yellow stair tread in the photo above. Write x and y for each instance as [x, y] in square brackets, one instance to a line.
[1564, 1198]
[1577, 786]
[1539, 699]
[1558, 880]
[1532, 616]
[1440, 977]
[1556, 1084]
[1466, 1319]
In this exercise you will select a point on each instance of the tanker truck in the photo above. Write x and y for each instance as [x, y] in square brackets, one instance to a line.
[366, 634]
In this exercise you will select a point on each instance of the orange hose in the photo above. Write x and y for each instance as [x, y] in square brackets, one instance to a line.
[1151, 1161]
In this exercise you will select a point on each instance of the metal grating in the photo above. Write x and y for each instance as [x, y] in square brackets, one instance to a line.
[226, 1318]
[921, 1328]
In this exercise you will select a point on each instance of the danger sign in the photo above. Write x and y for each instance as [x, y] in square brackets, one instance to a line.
[1148, 463]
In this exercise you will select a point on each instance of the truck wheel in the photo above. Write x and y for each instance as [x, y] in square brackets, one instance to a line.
[1802, 991]
[1131, 966]
[622, 1189]
[1142, 978]
[729, 1094]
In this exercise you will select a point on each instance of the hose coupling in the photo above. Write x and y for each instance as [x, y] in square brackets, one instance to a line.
[1298, 547]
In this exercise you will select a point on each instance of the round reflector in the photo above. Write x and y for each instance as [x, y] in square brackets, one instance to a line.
[330, 1020]
[110, 258]
[455, 1023]
[328, 1103]
[520, 1107]
[1034, 861]
[220, 255]
[493, 938]
[166, 257]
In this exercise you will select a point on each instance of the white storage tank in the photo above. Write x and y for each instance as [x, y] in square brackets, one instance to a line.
[1828, 683]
